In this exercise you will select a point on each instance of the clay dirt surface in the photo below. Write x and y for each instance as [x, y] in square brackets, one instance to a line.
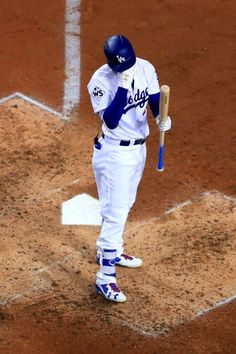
[177, 302]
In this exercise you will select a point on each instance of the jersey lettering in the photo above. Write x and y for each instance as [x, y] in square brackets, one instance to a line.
[138, 99]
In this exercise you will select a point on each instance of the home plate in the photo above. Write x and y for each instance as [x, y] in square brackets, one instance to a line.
[81, 210]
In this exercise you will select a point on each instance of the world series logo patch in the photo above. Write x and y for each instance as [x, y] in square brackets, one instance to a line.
[97, 92]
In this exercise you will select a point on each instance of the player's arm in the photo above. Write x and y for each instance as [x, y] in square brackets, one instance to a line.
[154, 102]
[112, 114]
[153, 90]
[110, 109]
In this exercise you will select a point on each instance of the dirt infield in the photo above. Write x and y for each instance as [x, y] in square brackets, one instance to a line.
[29, 31]
[177, 300]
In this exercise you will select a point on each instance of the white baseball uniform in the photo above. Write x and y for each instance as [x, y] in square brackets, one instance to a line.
[120, 155]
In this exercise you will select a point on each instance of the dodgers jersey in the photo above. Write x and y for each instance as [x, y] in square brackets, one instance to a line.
[103, 87]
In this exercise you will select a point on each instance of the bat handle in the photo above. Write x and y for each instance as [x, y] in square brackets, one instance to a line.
[160, 165]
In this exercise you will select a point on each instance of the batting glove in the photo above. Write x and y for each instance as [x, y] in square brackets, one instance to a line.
[164, 125]
[125, 78]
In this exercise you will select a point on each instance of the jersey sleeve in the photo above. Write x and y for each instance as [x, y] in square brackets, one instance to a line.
[99, 95]
[154, 85]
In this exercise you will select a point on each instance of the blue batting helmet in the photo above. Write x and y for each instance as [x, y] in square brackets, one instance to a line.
[119, 53]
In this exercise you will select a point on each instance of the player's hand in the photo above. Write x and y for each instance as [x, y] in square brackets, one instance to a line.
[164, 125]
[126, 77]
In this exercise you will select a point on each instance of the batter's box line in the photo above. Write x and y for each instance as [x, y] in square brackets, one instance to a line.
[179, 206]
[19, 296]
[216, 305]
[32, 102]
[56, 263]
[144, 330]
[35, 289]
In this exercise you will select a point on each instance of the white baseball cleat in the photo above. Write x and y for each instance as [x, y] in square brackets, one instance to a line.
[111, 292]
[125, 260]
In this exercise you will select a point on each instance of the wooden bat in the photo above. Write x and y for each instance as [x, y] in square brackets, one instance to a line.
[164, 106]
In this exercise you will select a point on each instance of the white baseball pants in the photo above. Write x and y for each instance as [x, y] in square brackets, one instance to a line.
[118, 171]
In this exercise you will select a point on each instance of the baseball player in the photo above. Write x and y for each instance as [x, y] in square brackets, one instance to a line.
[120, 92]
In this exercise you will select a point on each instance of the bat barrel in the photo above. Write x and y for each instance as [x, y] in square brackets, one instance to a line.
[164, 101]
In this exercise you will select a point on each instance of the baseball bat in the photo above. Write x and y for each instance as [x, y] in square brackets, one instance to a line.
[164, 106]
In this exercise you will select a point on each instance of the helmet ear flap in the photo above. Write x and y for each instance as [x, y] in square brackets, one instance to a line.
[119, 53]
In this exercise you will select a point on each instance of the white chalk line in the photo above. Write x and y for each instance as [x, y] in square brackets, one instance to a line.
[141, 330]
[60, 189]
[56, 263]
[202, 196]
[51, 193]
[178, 206]
[31, 101]
[216, 305]
[71, 96]
[10, 300]
[36, 288]
[72, 57]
